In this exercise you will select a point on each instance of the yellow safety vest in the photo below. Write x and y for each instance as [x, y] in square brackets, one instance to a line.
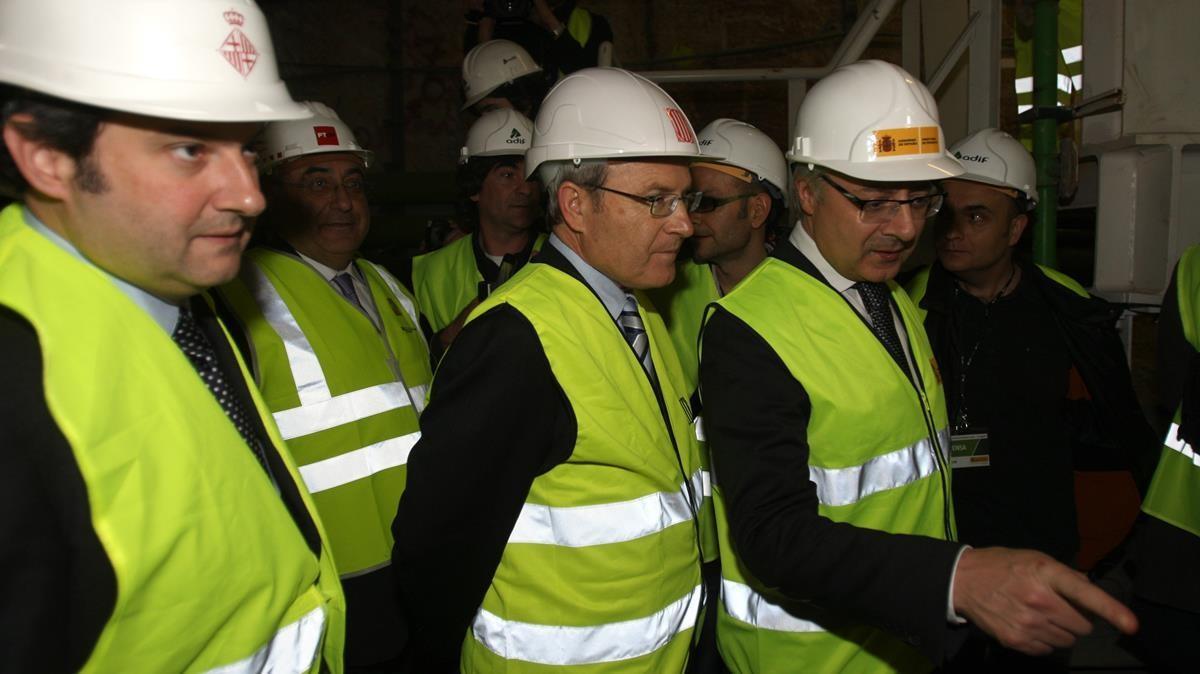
[345, 396]
[212, 572]
[602, 568]
[878, 457]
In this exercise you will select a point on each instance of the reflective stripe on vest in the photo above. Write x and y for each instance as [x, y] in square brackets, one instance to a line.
[571, 645]
[365, 462]
[743, 603]
[318, 409]
[604, 523]
[1173, 441]
[293, 648]
[849, 485]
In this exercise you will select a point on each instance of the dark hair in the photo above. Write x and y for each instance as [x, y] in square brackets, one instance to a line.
[470, 179]
[68, 127]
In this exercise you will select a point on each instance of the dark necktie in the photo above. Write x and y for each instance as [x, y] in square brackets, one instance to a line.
[875, 297]
[345, 285]
[635, 333]
[195, 345]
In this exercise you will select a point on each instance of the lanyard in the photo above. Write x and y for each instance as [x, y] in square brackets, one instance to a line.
[962, 420]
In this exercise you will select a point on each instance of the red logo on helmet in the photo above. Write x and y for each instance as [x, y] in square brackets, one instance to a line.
[326, 135]
[237, 48]
[683, 129]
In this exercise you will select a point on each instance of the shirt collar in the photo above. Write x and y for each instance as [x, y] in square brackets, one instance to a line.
[325, 270]
[605, 288]
[165, 314]
[808, 247]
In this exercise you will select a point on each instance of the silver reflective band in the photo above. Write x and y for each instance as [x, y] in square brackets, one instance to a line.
[333, 412]
[845, 486]
[706, 479]
[581, 526]
[698, 427]
[1176, 443]
[402, 298]
[418, 395]
[570, 645]
[292, 650]
[750, 607]
[306, 369]
[319, 410]
[358, 464]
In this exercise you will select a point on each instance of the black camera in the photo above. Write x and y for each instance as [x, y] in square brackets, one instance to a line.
[507, 9]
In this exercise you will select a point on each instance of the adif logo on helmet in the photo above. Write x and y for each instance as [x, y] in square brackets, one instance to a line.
[515, 137]
[237, 48]
[970, 157]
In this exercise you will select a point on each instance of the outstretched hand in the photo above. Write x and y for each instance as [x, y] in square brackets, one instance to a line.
[1030, 602]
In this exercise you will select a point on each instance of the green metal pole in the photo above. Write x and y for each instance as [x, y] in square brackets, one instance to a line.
[1045, 130]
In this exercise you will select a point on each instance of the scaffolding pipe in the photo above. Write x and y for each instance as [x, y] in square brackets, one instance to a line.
[862, 32]
[956, 51]
[1045, 130]
[734, 74]
[850, 50]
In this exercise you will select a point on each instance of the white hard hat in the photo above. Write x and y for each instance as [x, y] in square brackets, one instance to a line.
[873, 121]
[491, 65]
[609, 113]
[195, 60]
[496, 134]
[993, 157]
[324, 132]
[744, 146]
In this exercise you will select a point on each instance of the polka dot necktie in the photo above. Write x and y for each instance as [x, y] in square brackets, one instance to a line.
[876, 298]
[195, 345]
[634, 330]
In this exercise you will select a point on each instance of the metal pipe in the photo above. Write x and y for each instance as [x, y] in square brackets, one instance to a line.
[956, 51]
[1045, 130]
[862, 32]
[851, 49]
[734, 74]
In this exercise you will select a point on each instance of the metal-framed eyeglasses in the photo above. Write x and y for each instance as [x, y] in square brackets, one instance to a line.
[323, 184]
[661, 205]
[880, 211]
[707, 204]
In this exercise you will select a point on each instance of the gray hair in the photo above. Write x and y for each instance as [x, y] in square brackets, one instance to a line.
[810, 174]
[587, 173]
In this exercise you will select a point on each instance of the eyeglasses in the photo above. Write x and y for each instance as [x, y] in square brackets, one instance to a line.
[319, 184]
[880, 211]
[661, 205]
[707, 204]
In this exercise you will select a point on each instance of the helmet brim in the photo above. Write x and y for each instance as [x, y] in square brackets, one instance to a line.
[890, 171]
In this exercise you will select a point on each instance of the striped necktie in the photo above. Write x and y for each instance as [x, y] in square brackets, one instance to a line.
[634, 330]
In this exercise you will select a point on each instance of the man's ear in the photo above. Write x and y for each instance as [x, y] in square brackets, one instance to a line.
[806, 196]
[1016, 228]
[47, 170]
[475, 197]
[760, 208]
[573, 202]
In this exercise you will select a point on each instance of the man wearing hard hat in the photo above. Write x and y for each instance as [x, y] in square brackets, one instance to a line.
[556, 502]
[338, 356]
[500, 74]
[742, 179]
[152, 521]
[1011, 337]
[500, 207]
[824, 412]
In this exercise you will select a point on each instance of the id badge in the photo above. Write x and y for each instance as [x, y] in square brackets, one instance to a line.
[969, 450]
